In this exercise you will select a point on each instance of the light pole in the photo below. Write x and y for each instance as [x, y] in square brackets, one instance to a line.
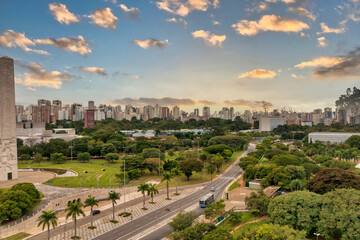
[71, 150]
[124, 185]
[110, 180]
[317, 235]
[159, 158]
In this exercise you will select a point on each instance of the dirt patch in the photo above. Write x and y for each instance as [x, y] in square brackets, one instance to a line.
[30, 177]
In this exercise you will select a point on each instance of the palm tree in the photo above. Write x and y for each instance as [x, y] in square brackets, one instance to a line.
[167, 176]
[152, 190]
[210, 168]
[74, 209]
[176, 172]
[113, 196]
[91, 202]
[143, 188]
[47, 218]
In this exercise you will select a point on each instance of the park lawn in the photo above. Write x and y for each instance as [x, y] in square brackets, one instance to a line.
[84, 179]
[18, 236]
[246, 228]
[233, 186]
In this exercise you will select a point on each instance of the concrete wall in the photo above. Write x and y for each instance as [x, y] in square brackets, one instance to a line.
[8, 151]
[331, 137]
[267, 124]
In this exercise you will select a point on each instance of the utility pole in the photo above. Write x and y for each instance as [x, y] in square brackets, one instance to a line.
[159, 158]
[124, 185]
[71, 150]
[110, 180]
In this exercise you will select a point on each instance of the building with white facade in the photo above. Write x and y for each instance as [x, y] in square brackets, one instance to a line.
[330, 137]
[267, 124]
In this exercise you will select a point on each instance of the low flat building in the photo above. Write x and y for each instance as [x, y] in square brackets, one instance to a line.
[267, 124]
[255, 184]
[330, 137]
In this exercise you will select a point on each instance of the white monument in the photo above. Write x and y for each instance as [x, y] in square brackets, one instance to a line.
[8, 151]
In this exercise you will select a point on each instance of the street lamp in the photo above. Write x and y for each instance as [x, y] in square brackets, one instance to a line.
[159, 158]
[317, 235]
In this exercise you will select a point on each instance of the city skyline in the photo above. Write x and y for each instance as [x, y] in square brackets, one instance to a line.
[185, 53]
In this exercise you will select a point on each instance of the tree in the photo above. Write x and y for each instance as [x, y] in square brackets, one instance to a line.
[257, 201]
[233, 141]
[48, 218]
[111, 157]
[329, 179]
[152, 190]
[143, 188]
[299, 210]
[153, 163]
[74, 210]
[190, 165]
[108, 148]
[272, 232]
[246, 161]
[219, 233]
[215, 209]
[91, 202]
[133, 174]
[55, 145]
[57, 158]
[113, 196]
[29, 188]
[210, 168]
[182, 220]
[167, 176]
[25, 157]
[353, 141]
[18, 199]
[9, 210]
[176, 173]
[310, 169]
[83, 157]
[295, 172]
[38, 158]
[297, 185]
[152, 153]
[284, 160]
[195, 232]
[218, 161]
[339, 215]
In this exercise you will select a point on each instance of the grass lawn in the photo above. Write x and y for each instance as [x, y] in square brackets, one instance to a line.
[246, 228]
[245, 217]
[233, 186]
[18, 236]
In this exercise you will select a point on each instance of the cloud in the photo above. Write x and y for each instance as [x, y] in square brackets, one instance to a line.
[31, 89]
[303, 35]
[18, 80]
[247, 103]
[269, 23]
[132, 12]
[284, 1]
[104, 18]
[214, 22]
[297, 76]
[36, 76]
[96, 70]
[302, 12]
[326, 29]
[163, 101]
[182, 22]
[321, 62]
[258, 73]
[150, 42]
[131, 76]
[216, 3]
[210, 38]
[322, 42]
[62, 14]
[13, 39]
[207, 102]
[349, 66]
[184, 7]
[262, 6]
[73, 44]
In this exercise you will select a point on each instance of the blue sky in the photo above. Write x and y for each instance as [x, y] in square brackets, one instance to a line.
[297, 53]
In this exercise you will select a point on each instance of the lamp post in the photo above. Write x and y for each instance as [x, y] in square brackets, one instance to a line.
[317, 235]
[159, 158]
[124, 184]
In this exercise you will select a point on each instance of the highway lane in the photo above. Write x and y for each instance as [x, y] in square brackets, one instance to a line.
[141, 224]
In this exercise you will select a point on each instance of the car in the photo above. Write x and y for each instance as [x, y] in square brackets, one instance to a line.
[95, 212]
[212, 189]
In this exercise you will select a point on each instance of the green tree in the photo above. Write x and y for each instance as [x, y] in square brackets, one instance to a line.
[74, 210]
[38, 158]
[108, 148]
[218, 161]
[176, 173]
[143, 187]
[258, 201]
[188, 166]
[152, 190]
[167, 176]
[210, 168]
[246, 161]
[295, 172]
[111, 157]
[46, 219]
[21, 199]
[113, 196]
[133, 174]
[196, 232]
[353, 141]
[272, 232]
[310, 169]
[29, 188]
[9, 210]
[284, 160]
[219, 233]
[183, 220]
[91, 202]
[25, 157]
[297, 185]
[58, 158]
[215, 209]
[152, 153]
[83, 157]
[299, 210]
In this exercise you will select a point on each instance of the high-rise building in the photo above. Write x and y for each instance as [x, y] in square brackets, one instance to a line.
[206, 112]
[91, 105]
[8, 151]
[89, 118]
[176, 113]
[231, 113]
[56, 107]
[196, 112]
[164, 113]
[44, 111]
[157, 111]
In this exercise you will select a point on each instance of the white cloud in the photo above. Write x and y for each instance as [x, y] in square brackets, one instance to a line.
[258, 73]
[183, 7]
[18, 80]
[182, 22]
[302, 12]
[13, 39]
[322, 42]
[31, 89]
[104, 18]
[150, 42]
[73, 44]
[214, 22]
[284, 1]
[269, 23]
[321, 62]
[326, 29]
[132, 12]
[260, 7]
[216, 3]
[210, 38]
[297, 76]
[96, 70]
[62, 14]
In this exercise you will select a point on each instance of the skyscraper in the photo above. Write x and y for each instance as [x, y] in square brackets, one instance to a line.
[206, 112]
[8, 151]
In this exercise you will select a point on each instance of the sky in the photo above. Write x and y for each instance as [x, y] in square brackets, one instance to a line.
[299, 54]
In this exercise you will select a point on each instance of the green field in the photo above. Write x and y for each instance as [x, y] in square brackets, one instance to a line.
[246, 228]
[18, 236]
[94, 172]
[233, 186]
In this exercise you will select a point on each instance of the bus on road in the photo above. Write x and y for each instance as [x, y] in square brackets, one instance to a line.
[207, 199]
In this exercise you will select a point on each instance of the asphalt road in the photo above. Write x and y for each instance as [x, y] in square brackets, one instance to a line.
[141, 224]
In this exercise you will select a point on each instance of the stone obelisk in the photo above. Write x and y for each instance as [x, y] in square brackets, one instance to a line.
[8, 149]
